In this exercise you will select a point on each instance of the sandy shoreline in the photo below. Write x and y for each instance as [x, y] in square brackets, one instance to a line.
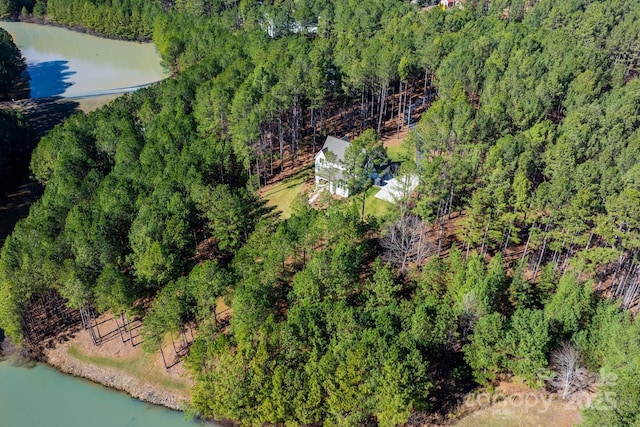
[116, 379]
[59, 358]
[118, 365]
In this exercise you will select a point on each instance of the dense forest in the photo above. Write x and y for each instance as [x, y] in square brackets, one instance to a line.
[16, 137]
[531, 145]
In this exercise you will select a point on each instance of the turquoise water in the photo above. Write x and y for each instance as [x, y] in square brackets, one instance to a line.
[43, 397]
[64, 63]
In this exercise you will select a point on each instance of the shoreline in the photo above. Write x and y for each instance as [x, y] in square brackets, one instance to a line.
[117, 380]
[57, 357]
[60, 353]
[77, 28]
[116, 365]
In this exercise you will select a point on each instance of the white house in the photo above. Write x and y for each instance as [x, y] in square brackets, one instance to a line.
[448, 4]
[330, 169]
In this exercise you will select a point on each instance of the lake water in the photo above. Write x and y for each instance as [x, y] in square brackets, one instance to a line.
[43, 397]
[64, 63]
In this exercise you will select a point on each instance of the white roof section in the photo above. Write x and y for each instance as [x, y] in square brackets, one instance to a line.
[336, 146]
[395, 189]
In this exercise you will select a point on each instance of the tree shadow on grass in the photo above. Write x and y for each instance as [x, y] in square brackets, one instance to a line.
[44, 113]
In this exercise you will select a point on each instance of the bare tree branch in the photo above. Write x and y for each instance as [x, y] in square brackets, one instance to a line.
[404, 242]
[566, 362]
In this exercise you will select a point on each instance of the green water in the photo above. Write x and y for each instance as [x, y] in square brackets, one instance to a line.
[43, 397]
[64, 63]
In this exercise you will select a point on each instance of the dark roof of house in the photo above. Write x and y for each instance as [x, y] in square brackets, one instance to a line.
[336, 146]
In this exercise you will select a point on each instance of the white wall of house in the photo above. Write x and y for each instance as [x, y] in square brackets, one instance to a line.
[320, 160]
[342, 190]
[335, 187]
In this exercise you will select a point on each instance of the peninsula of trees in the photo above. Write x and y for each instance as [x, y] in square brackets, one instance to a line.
[530, 145]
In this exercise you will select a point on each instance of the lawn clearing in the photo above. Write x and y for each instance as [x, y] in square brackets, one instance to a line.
[399, 153]
[281, 195]
[515, 405]
[374, 206]
[523, 413]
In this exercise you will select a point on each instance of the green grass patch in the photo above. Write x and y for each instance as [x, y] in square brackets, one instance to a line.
[282, 195]
[374, 206]
[399, 153]
[138, 367]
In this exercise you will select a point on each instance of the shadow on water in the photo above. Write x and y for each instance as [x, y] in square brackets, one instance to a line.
[49, 78]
